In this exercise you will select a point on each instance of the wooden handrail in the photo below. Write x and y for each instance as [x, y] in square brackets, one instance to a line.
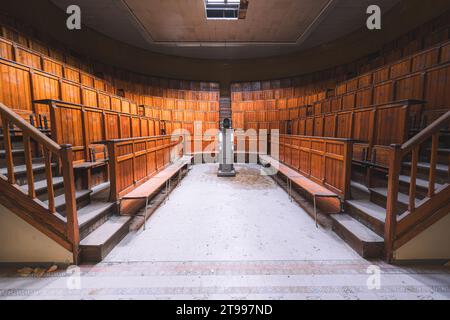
[31, 131]
[398, 153]
[49, 148]
[427, 133]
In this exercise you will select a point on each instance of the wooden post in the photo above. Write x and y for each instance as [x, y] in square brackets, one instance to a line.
[85, 134]
[433, 162]
[29, 165]
[49, 178]
[413, 182]
[392, 198]
[69, 193]
[114, 187]
[348, 158]
[8, 149]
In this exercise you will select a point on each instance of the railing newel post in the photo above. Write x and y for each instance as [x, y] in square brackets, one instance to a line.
[392, 198]
[69, 193]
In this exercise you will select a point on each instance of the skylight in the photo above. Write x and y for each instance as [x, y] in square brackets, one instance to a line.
[222, 9]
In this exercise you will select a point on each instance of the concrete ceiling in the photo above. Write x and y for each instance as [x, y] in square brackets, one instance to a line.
[180, 28]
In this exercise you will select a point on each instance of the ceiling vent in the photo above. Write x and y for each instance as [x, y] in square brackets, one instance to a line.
[226, 9]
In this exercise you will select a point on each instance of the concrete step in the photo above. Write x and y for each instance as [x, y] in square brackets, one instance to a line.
[364, 241]
[420, 183]
[15, 152]
[96, 246]
[379, 196]
[442, 168]
[368, 213]
[41, 186]
[20, 172]
[82, 198]
[93, 216]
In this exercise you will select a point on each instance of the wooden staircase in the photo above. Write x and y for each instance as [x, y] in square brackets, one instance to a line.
[98, 227]
[395, 196]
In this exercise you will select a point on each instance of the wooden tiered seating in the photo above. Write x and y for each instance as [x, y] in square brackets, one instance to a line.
[163, 178]
[312, 188]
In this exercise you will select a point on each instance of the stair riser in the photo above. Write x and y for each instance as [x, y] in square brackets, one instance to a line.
[421, 192]
[381, 200]
[365, 250]
[96, 254]
[371, 223]
[81, 202]
[58, 189]
[18, 159]
[93, 225]
[424, 173]
[442, 158]
[38, 174]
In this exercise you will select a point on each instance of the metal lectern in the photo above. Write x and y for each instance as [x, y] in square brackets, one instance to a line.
[226, 150]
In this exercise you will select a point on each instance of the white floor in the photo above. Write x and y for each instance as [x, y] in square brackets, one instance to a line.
[230, 219]
[239, 238]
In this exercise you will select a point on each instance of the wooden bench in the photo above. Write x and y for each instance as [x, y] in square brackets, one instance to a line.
[314, 189]
[157, 182]
[98, 162]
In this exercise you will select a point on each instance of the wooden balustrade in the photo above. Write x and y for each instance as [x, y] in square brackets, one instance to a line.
[400, 228]
[325, 161]
[81, 126]
[41, 216]
[133, 161]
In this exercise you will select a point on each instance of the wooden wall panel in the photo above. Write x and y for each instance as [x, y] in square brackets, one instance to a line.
[89, 97]
[53, 67]
[363, 98]
[15, 87]
[410, 87]
[329, 125]
[72, 74]
[425, 60]
[94, 126]
[104, 101]
[6, 49]
[70, 127]
[28, 58]
[344, 125]
[44, 87]
[112, 126]
[383, 93]
[116, 104]
[70, 92]
[391, 126]
[437, 93]
[400, 68]
[86, 80]
[362, 125]
[135, 127]
[125, 127]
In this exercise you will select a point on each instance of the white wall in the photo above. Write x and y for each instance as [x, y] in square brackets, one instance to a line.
[21, 242]
[431, 244]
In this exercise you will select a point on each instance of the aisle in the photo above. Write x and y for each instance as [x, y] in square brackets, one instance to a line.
[247, 218]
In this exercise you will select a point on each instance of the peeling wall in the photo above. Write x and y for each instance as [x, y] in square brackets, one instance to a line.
[431, 244]
[20, 242]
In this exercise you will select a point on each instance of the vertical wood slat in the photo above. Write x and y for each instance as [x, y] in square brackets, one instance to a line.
[8, 150]
[49, 178]
[433, 162]
[29, 165]
[413, 181]
[69, 192]
[392, 198]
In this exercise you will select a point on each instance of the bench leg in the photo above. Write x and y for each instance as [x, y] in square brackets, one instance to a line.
[315, 211]
[145, 212]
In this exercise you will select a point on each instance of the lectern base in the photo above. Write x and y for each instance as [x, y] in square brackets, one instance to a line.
[226, 171]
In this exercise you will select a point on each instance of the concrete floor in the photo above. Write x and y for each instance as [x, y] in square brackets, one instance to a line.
[232, 238]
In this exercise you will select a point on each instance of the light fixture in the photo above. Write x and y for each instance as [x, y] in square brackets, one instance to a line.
[222, 9]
